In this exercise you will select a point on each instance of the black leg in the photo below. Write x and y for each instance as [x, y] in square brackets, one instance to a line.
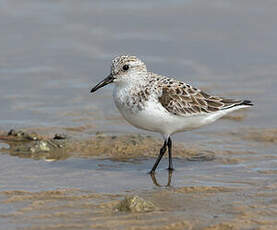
[162, 151]
[169, 144]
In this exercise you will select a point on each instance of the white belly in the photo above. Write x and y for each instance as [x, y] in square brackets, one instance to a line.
[157, 119]
[154, 117]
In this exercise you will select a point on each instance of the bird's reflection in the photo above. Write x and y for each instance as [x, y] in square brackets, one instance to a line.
[154, 180]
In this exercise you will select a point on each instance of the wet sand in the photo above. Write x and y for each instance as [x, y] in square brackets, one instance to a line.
[211, 190]
[189, 207]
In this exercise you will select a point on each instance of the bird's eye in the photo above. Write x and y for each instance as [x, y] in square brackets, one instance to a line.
[125, 67]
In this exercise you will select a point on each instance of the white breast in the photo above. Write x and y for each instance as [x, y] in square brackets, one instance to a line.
[154, 117]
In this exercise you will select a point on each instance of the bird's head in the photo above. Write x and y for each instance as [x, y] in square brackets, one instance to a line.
[124, 69]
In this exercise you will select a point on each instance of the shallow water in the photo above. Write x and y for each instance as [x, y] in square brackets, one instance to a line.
[53, 52]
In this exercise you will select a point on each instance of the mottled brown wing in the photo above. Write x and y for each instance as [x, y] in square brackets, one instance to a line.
[188, 101]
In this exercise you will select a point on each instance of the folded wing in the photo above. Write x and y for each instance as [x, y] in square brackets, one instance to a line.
[186, 100]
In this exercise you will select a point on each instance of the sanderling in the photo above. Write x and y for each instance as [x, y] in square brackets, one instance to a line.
[160, 104]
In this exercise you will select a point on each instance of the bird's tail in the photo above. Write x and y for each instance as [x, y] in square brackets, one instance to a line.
[246, 102]
[238, 104]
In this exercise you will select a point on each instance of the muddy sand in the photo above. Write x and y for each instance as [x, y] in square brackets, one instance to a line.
[216, 198]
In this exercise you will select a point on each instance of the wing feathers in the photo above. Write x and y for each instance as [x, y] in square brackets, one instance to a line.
[187, 100]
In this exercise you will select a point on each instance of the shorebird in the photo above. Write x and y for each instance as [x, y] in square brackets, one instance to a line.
[161, 104]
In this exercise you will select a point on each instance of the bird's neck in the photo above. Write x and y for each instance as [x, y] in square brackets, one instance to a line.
[133, 82]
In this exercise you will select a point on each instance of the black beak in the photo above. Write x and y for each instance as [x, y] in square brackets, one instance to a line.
[106, 81]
